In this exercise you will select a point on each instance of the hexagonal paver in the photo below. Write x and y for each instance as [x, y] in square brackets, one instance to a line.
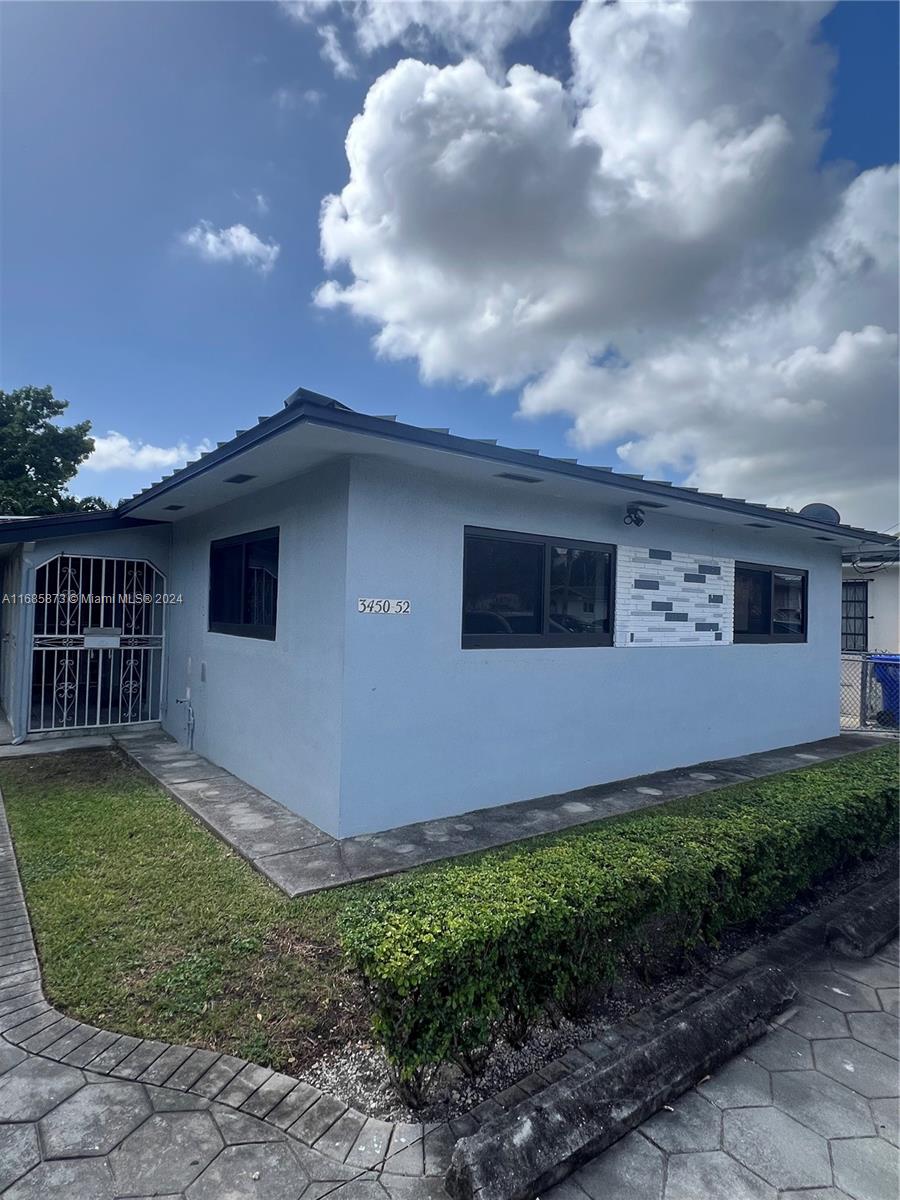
[867, 1071]
[237, 1128]
[866, 1168]
[782, 1050]
[693, 1124]
[712, 1176]
[739, 1084]
[170, 1148]
[880, 1030]
[777, 1147]
[846, 995]
[887, 1118]
[34, 1087]
[19, 1152]
[822, 1104]
[10, 1056]
[813, 1019]
[258, 1172]
[890, 1000]
[873, 971]
[65, 1179]
[632, 1169]
[94, 1120]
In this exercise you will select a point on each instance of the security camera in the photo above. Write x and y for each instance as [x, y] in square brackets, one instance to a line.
[634, 515]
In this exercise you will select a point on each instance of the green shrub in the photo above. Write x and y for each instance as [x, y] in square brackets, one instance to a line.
[452, 956]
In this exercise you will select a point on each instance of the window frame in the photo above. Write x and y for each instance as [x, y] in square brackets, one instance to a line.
[265, 633]
[772, 637]
[863, 584]
[543, 640]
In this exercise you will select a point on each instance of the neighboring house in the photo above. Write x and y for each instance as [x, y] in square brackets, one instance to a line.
[377, 624]
[870, 597]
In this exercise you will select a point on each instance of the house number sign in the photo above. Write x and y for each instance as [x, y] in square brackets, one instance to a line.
[398, 608]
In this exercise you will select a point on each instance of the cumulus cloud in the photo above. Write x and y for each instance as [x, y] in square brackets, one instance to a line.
[465, 28]
[116, 452]
[237, 243]
[652, 249]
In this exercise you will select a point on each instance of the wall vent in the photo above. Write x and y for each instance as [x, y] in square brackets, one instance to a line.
[239, 478]
[518, 478]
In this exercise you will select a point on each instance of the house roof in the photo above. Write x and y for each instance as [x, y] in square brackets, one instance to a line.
[312, 428]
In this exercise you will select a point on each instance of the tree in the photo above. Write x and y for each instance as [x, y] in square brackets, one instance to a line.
[38, 457]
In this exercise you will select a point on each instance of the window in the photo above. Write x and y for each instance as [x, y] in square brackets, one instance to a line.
[769, 604]
[243, 584]
[855, 614]
[522, 590]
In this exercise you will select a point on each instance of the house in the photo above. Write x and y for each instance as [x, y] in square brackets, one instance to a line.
[378, 624]
[870, 601]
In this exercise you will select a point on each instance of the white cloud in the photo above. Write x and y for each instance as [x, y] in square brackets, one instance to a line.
[480, 29]
[116, 452]
[237, 243]
[261, 202]
[332, 52]
[652, 250]
[291, 98]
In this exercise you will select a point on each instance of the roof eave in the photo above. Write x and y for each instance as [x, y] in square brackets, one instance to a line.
[301, 411]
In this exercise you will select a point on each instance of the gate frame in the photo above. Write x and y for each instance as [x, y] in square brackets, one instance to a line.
[26, 673]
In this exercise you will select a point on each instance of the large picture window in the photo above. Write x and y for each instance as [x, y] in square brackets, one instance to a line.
[522, 590]
[769, 603]
[243, 584]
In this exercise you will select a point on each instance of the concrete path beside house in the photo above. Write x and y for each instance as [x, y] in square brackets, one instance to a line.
[300, 858]
[809, 1112]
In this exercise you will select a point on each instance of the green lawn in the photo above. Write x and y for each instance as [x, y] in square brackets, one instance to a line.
[147, 924]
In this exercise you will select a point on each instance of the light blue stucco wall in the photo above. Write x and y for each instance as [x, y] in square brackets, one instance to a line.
[431, 729]
[269, 711]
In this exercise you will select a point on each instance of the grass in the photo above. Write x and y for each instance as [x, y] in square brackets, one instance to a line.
[147, 924]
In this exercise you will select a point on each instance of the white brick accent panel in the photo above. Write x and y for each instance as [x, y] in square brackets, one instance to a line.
[665, 598]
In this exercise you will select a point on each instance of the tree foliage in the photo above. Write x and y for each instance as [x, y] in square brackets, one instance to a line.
[38, 457]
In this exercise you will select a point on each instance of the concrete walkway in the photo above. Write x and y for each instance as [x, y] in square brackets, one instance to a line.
[300, 858]
[810, 1112]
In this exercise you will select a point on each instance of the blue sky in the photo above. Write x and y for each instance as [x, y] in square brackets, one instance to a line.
[126, 125]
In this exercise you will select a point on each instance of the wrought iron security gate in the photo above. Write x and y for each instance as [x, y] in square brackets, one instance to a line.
[97, 651]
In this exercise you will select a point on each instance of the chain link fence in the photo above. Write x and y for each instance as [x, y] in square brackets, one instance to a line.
[870, 691]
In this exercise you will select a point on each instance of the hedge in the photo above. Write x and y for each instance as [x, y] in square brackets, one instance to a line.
[455, 955]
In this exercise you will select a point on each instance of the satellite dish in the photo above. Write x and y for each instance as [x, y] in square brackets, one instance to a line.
[821, 512]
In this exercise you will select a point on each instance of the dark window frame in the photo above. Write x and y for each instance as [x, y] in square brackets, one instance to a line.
[847, 634]
[242, 628]
[771, 637]
[543, 640]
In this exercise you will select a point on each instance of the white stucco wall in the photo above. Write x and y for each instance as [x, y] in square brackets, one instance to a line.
[430, 729]
[269, 711]
[884, 606]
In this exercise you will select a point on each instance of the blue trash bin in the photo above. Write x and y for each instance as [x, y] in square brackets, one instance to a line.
[886, 668]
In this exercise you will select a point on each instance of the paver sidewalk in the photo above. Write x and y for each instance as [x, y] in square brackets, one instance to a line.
[808, 1113]
[300, 858]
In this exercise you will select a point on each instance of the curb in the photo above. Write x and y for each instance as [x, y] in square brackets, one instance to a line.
[545, 1138]
[868, 926]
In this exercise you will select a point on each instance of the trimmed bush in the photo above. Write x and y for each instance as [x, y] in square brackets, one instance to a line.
[453, 956]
